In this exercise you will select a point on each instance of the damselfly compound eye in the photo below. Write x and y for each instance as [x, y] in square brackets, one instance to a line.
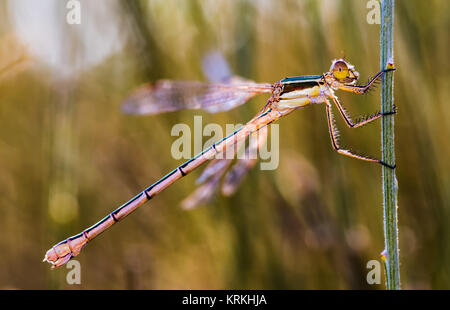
[340, 70]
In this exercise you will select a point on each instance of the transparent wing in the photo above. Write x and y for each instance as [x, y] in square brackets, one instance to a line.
[239, 171]
[209, 181]
[165, 96]
[219, 168]
[216, 67]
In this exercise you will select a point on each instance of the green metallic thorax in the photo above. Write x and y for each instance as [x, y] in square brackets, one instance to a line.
[300, 82]
[304, 78]
[300, 91]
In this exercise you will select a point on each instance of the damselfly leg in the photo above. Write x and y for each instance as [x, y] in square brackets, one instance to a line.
[361, 89]
[334, 136]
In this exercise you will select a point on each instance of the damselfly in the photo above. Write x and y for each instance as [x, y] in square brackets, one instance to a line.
[287, 95]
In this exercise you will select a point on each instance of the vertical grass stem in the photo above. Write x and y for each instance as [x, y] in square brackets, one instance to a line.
[390, 185]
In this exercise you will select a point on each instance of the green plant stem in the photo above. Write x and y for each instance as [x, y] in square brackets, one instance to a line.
[390, 185]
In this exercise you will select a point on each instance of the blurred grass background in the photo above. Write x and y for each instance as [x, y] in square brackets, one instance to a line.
[68, 156]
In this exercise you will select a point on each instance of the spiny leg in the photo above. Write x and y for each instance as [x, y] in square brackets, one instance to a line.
[335, 142]
[362, 120]
[362, 89]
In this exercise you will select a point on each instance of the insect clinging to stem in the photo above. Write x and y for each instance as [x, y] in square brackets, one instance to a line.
[287, 95]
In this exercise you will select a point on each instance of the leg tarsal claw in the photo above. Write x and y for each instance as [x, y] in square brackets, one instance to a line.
[394, 111]
[387, 165]
[389, 69]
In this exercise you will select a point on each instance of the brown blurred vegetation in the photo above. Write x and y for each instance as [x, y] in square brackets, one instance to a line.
[68, 156]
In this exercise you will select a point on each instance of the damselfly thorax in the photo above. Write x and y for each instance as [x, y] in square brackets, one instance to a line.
[297, 92]
[287, 95]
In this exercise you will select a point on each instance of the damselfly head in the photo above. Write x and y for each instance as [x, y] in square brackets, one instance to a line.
[343, 71]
